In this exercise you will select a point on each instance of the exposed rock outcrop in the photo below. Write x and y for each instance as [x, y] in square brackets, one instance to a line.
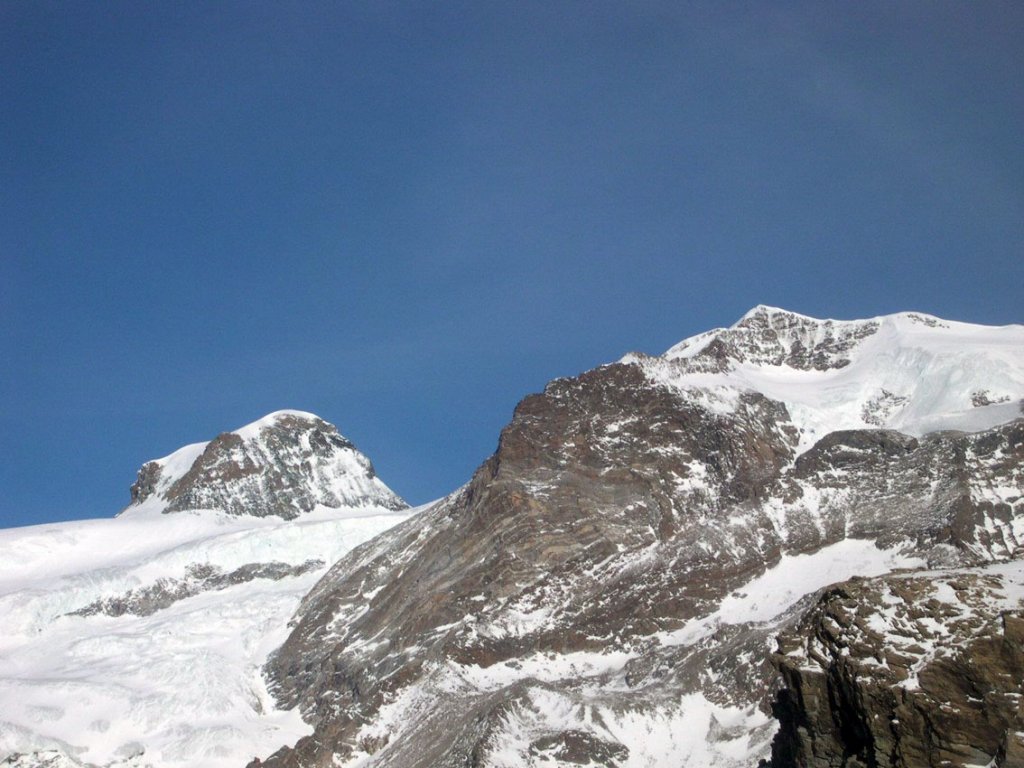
[199, 577]
[907, 671]
[769, 336]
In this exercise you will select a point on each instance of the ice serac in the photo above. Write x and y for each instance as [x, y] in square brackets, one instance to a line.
[607, 588]
[285, 464]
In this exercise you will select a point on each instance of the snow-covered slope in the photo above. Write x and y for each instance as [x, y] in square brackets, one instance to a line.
[910, 372]
[138, 640]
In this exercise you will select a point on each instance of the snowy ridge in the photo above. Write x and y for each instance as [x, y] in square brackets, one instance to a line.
[910, 372]
[252, 430]
[174, 466]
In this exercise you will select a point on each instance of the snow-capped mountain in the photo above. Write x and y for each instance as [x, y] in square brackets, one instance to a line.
[793, 539]
[609, 586]
[138, 640]
[287, 463]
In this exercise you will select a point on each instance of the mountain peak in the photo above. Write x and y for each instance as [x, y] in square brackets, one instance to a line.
[770, 336]
[762, 311]
[284, 464]
[274, 419]
[642, 531]
[908, 371]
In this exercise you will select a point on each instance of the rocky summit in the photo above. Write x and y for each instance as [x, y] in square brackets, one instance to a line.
[284, 464]
[792, 541]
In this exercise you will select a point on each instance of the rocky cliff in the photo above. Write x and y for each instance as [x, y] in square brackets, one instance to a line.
[911, 669]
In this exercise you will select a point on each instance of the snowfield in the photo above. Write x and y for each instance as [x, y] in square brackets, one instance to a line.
[179, 687]
[910, 372]
[139, 640]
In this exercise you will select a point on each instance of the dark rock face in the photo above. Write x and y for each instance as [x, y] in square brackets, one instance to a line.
[283, 467]
[146, 483]
[938, 490]
[199, 577]
[983, 397]
[578, 748]
[904, 671]
[614, 514]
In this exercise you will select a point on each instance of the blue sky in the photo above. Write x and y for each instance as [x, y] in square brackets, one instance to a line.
[407, 216]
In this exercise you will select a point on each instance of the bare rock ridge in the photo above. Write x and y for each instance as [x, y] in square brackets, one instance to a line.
[608, 587]
[284, 464]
